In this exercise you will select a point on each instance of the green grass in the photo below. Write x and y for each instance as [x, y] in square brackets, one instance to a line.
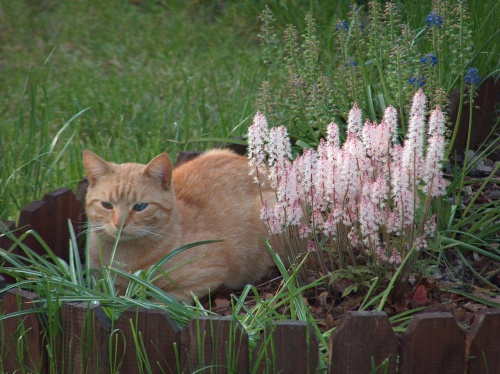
[158, 76]
[153, 77]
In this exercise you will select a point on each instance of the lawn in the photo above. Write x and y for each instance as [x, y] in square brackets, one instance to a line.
[150, 76]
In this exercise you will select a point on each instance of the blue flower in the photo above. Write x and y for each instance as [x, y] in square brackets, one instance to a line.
[433, 59]
[352, 62]
[434, 19]
[341, 25]
[420, 81]
[429, 58]
[472, 77]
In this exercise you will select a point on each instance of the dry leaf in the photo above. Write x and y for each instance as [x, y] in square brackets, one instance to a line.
[221, 304]
[420, 296]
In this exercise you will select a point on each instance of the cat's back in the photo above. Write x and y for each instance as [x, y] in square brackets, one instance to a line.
[214, 177]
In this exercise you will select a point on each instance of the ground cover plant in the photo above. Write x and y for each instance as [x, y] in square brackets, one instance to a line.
[194, 74]
[360, 200]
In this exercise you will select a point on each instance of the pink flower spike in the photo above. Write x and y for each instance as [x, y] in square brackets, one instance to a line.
[418, 104]
[376, 140]
[271, 219]
[369, 221]
[288, 194]
[308, 164]
[420, 243]
[347, 182]
[322, 148]
[278, 147]
[266, 213]
[430, 226]
[353, 238]
[436, 122]
[354, 121]
[434, 183]
[257, 137]
[304, 230]
[329, 226]
[279, 151]
[332, 142]
[395, 258]
[321, 177]
[379, 191]
[414, 146]
[275, 226]
[391, 119]
[403, 191]
[380, 252]
[332, 135]
[311, 246]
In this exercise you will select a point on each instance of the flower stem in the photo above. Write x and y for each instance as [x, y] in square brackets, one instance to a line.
[394, 278]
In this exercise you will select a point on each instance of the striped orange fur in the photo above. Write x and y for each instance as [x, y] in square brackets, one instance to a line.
[209, 198]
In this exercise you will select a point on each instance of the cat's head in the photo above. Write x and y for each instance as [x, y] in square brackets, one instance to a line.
[137, 198]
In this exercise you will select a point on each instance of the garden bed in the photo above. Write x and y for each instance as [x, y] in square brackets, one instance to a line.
[86, 339]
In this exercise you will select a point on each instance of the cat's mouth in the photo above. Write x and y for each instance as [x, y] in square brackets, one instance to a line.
[127, 234]
[117, 234]
[123, 236]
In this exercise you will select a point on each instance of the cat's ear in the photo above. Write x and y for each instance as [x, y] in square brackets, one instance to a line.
[160, 168]
[96, 167]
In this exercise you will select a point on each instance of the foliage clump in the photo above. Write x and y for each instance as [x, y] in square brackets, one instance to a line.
[378, 60]
[365, 202]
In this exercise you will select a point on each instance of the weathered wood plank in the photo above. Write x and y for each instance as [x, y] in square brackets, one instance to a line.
[2, 286]
[6, 226]
[22, 347]
[218, 344]
[82, 347]
[432, 344]
[287, 347]
[483, 343]
[154, 332]
[49, 218]
[363, 339]
[483, 112]
[62, 205]
[34, 216]
[6, 244]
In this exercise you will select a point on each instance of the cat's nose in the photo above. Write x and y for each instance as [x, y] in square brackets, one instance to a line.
[118, 220]
[118, 223]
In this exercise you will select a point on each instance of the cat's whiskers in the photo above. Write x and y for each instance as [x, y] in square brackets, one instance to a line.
[101, 230]
[139, 233]
[151, 233]
[97, 228]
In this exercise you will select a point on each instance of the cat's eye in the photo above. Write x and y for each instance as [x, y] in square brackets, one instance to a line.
[107, 205]
[140, 207]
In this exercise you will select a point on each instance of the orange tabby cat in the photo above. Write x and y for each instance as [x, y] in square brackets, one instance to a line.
[209, 198]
